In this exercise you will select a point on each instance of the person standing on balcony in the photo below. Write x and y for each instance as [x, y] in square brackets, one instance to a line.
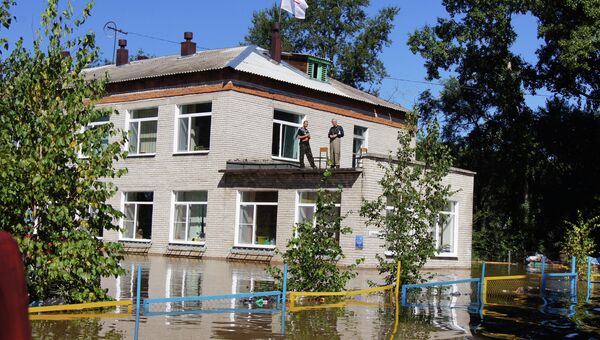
[335, 133]
[304, 138]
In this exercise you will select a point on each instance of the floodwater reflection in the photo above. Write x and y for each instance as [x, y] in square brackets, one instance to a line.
[172, 277]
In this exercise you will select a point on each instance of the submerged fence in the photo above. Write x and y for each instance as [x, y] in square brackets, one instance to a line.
[484, 290]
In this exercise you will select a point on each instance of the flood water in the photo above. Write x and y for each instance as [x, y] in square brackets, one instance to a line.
[531, 318]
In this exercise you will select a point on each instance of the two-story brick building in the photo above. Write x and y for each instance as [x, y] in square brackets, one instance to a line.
[213, 154]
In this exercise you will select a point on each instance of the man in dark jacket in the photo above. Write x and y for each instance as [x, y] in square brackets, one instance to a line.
[335, 133]
[304, 138]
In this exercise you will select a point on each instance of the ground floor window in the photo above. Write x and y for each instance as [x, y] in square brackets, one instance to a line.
[189, 219]
[137, 223]
[307, 206]
[257, 218]
[445, 230]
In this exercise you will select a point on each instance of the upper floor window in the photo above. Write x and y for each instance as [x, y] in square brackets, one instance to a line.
[190, 216]
[360, 139]
[285, 128]
[257, 218]
[143, 124]
[98, 148]
[193, 127]
[137, 223]
[359, 142]
[445, 230]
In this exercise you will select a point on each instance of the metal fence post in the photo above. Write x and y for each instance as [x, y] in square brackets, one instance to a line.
[482, 286]
[589, 279]
[574, 277]
[284, 297]
[137, 301]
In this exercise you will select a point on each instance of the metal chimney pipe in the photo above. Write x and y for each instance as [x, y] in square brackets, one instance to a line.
[122, 53]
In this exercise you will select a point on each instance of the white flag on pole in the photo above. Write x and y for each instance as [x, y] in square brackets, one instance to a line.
[296, 7]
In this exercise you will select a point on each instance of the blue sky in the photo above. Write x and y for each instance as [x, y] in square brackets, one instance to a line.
[225, 23]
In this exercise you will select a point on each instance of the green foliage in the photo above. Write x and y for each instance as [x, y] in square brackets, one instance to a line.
[413, 195]
[579, 242]
[535, 166]
[53, 199]
[338, 30]
[5, 20]
[313, 255]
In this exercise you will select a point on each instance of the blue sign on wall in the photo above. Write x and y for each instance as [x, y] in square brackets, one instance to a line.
[358, 242]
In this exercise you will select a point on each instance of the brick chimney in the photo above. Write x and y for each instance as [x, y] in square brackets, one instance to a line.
[65, 54]
[188, 47]
[122, 53]
[275, 42]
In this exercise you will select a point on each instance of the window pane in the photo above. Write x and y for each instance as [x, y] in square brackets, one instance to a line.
[359, 131]
[446, 237]
[266, 224]
[129, 221]
[259, 196]
[290, 146]
[102, 119]
[133, 137]
[179, 225]
[246, 223]
[148, 137]
[200, 133]
[144, 222]
[306, 214]
[335, 196]
[288, 117]
[196, 108]
[197, 222]
[275, 140]
[191, 196]
[308, 197]
[182, 137]
[144, 113]
[139, 196]
[450, 206]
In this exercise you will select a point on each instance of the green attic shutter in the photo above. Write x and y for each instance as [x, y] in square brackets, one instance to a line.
[310, 69]
[317, 68]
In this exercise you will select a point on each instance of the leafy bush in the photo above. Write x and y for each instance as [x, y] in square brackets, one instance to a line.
[579, 242]
[313, 255]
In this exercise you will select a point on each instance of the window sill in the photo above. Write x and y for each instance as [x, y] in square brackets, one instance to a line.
[285, 159]
[183, 153]
[141, 155]
[254, 247]
[136, 241]
[191, 244]
[443, 256]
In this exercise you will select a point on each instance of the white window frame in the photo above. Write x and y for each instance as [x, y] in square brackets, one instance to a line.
[189, 116]
[89, 127]
[129, 120]
[285, 122]
[365, 139]
[314, 206]
[454, 252]
[122, 222]
[174, 203]
[237, 220]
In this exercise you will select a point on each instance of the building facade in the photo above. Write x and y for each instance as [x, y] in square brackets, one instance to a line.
[213, 156]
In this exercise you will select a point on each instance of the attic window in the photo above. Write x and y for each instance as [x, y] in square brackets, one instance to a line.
[317, 68]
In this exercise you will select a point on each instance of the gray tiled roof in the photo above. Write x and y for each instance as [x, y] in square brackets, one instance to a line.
[249, 59]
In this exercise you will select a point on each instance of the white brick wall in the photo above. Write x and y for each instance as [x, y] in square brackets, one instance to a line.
[242, 129]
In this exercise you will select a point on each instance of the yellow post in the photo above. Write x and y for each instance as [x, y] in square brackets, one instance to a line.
[398, 282]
